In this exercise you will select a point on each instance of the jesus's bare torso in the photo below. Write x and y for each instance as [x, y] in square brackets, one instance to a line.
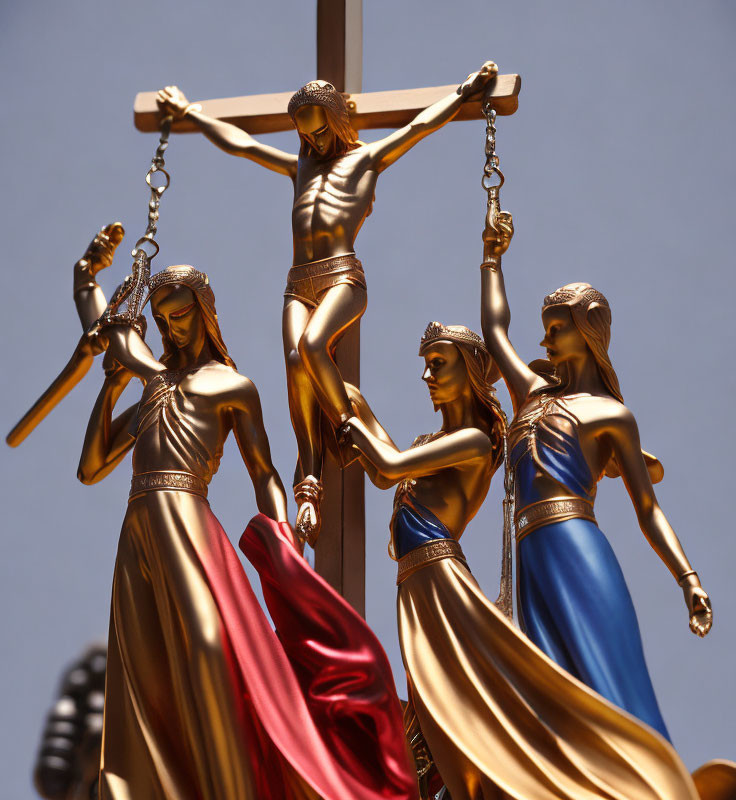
[332, 198]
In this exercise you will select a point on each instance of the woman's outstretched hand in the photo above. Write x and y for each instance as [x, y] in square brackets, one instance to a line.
[698, 606]
[101, 250]
[497, 235]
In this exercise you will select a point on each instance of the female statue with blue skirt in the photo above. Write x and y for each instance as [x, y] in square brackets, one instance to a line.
[490, 716]
[570, 428]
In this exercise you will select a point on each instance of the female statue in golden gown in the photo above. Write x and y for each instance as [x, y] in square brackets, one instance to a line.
[498, 718]
[203, 699]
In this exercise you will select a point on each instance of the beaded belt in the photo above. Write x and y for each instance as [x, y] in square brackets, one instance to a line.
[168, 479]
[547, 512]
[427, 554]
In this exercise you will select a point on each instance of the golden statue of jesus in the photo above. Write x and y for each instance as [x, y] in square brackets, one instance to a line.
[334, 176]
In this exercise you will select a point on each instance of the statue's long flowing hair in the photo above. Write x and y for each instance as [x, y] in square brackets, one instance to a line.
[198, 282]
[482, 374]
[591, 315]
[324, 95]
[346, 137]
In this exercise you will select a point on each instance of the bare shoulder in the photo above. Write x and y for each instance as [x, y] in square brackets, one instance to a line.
[605, 414]
[245, 394]
[231, 388]
[360, 157]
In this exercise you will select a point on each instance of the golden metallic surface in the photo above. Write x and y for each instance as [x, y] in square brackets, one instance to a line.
[500, 718]
[266, 113]
[578, 389]
[546, 512]
[448, 472]
[334, 177]
[310, 282]
[308, 495]
[167, 479]
[92, 308]
[90, 304]
[172, 726]
[427, 554]
[716, 780]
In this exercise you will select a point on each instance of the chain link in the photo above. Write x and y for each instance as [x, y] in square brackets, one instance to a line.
[493, 178]
[133, 289]
[505, 602]
[492, 181]
[157, 168]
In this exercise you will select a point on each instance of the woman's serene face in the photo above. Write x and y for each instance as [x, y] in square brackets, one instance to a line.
[178, 316]
[313, 125]
[562, 339]
[445, 372]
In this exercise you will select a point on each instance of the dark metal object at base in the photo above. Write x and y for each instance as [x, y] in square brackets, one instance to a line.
[68, 761]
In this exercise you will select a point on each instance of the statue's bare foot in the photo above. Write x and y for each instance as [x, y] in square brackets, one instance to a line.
[308, 495]
[101, 250]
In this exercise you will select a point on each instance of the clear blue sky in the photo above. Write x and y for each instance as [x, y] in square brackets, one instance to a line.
[620, 171]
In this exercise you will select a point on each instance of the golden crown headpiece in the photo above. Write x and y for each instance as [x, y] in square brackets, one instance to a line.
[436, 331]
[318, 93]
[578, 293]
[183, 274]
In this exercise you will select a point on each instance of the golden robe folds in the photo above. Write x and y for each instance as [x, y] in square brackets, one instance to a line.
[501, 719]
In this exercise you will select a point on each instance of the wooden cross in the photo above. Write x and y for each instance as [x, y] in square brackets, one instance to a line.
[340, 551]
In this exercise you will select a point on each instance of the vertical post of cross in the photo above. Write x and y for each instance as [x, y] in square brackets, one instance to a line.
[340, 551]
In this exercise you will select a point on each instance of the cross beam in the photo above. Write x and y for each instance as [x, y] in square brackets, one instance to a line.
[266, 113]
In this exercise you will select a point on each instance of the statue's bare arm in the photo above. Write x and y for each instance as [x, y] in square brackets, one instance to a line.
[622, 432]
[89, 299]
[426, 459]
[252, 440]
[228, 137]
[123, 343]
[389, 149]
[368, 418]
[495, 314]
[107, 440]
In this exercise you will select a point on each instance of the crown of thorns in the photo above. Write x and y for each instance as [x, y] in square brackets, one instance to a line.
[318, 93]
[453, 333]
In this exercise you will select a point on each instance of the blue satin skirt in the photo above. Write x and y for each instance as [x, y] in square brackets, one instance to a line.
[575, 606]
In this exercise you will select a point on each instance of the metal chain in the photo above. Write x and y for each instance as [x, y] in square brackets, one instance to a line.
[493, 178]
[505, 602]
[157, 167]
[132, 290]
[492, 181]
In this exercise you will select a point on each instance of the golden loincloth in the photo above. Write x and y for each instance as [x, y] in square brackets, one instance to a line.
[310, 282]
